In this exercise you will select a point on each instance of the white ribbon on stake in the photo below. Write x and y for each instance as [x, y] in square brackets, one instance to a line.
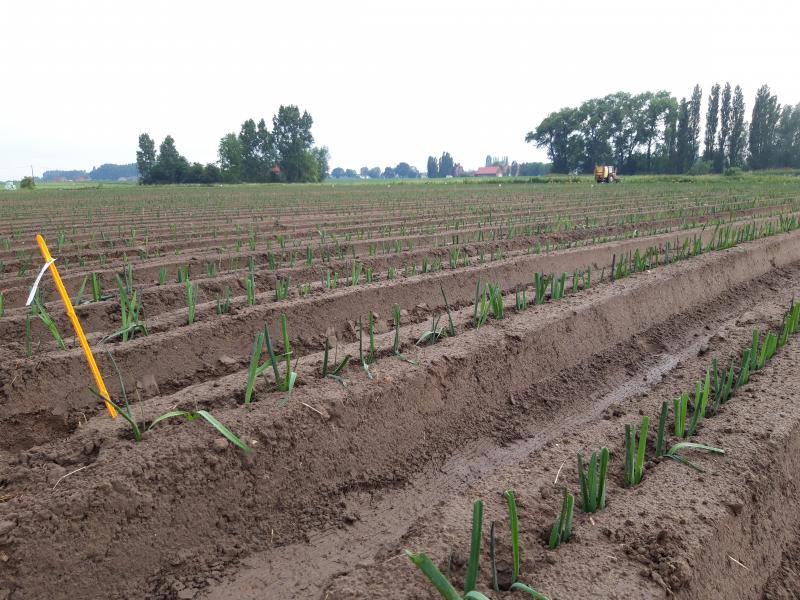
[36, 283]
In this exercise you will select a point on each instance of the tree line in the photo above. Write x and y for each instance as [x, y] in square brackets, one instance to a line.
[257, 154]
[105, 172]
[443, 167]
[403, 170]
[653, 132]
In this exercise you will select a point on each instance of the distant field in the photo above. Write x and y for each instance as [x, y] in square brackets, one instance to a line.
[495, 330]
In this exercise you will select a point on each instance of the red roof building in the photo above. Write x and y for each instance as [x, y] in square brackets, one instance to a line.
[489, 172]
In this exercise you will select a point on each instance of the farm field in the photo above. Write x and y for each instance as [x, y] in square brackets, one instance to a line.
[385, 356]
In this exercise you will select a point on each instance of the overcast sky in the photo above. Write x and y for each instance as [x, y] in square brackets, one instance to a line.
[384, 82]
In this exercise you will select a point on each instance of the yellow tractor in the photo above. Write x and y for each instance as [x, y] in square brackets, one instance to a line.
[606, 174]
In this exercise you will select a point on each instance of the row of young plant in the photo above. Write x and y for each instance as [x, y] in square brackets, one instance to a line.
[717, 388]
[505, 227]
[488, 299]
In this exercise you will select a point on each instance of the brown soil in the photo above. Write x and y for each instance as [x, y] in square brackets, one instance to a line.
[343, 478]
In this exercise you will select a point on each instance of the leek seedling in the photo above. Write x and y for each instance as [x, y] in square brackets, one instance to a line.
[680, 405]
[593, 483]
[482, 309]
[767, 349]
[744, 371]
[371, 356]
[475, 547]
[723, 388]
[250, 289]
[562, 527]
[191, 289]
[130, 308]
[97, 288]
[634, 457]
[662, 424]
[434, 334]
[39, 310]
[396, 345]
[451, 329]
[138, 430]
[335, 373]
[511, 501]
[283, 383]
[356, 273]
[77, 300]
[254, 370]
[439, 581]
[701, 392]
[528, 590]
[162, 276]
[673, 453]
[520, 301]
[361, 358]
[475, 306]
[224, 304]
[2, 304]
[496, 300]
[540, 281]
[281, 289]
[493, 557]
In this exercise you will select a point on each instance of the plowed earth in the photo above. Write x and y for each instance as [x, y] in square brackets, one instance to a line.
[342, 478]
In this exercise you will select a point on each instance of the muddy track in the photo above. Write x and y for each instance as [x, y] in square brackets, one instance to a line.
[332, 444]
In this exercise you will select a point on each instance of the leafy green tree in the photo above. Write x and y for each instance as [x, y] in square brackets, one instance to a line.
[266, 151]
[712, 121]
[737, 141]
[657, 117]
[374, 173]
[230, 158]
[322, 158]
[433, 167]
[406, 171]
[559, 133]
[720, 159]
[694, 125]
[170, 166]
[145, 158]
[683, 143]
[669, 148]
[337, 173]
[351, 173]
[212, 174]
[594, 129]
[27, 183]
[388, 173]
[446, 165]
[249, 142]
[787, 146]
[763, 129]
[291, 132]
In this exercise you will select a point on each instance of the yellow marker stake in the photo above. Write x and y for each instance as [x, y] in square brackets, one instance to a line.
[76, 325]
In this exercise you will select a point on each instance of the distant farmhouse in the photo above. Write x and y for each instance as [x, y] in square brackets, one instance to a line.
[489, 172]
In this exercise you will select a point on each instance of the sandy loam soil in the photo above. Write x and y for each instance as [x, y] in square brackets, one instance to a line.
[342, 479]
